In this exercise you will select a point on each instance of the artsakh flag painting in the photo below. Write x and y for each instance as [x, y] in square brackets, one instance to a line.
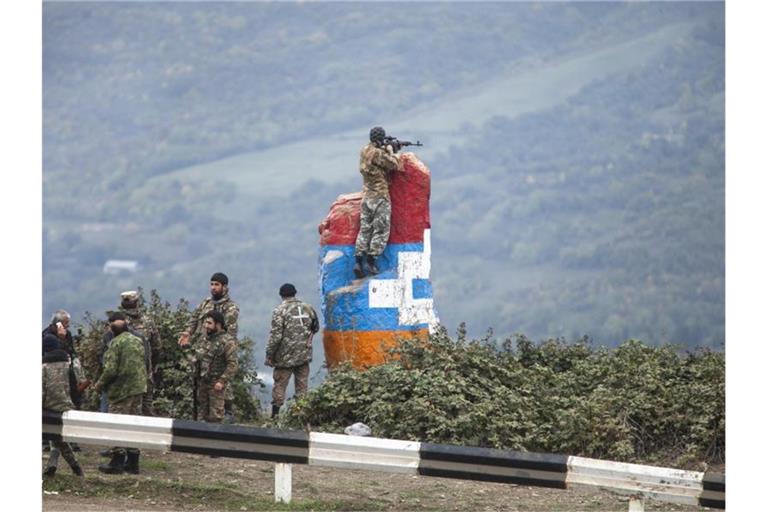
[365, 317]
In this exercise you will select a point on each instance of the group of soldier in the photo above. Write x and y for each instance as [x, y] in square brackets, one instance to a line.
[209, 341]
[132, 343]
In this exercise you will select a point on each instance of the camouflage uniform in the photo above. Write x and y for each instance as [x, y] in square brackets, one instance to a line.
[224, 305]
[216, 357]
[56, 397]
[231, 311]
[125, 373]
[145, 328]
[124, 377]
[376, 165]
[289, 348]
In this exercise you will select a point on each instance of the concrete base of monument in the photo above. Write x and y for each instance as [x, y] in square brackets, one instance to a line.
[364, 349]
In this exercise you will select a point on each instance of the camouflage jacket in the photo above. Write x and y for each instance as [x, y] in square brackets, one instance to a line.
[217, 355]
[224, 305]
[124, 372]
[293, 322]
[143, 326]
[56, 382]
[376, 165]
[107, 339]
[140, 322]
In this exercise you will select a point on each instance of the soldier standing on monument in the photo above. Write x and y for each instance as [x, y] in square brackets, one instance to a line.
[124, 378]
[289, 349]
[377, 162]
[215, 361]
[218, 301]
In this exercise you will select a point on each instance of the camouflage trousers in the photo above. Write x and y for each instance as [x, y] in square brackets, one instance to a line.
[66, 451]
[283, 375]
[210, 403]
[229, 397]
[375, 214]
[130, 405]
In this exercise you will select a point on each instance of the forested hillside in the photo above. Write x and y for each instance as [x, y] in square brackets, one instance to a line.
[577, 153]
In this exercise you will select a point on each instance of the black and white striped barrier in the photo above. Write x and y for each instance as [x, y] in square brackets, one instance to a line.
[342, 451]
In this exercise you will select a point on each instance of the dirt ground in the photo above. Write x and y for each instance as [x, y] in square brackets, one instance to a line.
[174, 481]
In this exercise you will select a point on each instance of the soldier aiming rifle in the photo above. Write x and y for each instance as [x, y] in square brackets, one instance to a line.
[397, 145]
[378, 160]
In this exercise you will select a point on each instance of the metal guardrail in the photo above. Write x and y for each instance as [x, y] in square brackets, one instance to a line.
[341, 451]
[651, 482]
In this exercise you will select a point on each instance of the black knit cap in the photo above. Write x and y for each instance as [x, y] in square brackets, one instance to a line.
[220, 277]
[114, 316]
[218, 317]
[377, 134]
[287, 290]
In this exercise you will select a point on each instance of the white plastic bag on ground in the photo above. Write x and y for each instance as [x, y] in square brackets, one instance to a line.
[358, 429]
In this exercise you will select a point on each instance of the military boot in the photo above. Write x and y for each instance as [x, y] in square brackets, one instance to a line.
[53, 462]
[275, 411]
[132, 465]
[116, 465]
[78, 470]
[359, 269]
[372, 268]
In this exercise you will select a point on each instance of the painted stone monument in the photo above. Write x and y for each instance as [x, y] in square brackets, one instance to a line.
[365, 317]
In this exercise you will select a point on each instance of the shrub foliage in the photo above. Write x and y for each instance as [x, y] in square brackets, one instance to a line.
[173, 376]
[635, 403]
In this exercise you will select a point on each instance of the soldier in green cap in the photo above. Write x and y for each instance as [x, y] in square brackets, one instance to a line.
[124, 378]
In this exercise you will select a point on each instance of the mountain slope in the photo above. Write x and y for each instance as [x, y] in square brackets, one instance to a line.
[576, 149]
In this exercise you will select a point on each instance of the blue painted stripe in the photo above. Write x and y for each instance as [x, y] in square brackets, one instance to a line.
[339, 272]
[345, 307]
[422, 289]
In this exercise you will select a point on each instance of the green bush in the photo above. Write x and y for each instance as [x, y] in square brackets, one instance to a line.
[173, 382]
[635, 403]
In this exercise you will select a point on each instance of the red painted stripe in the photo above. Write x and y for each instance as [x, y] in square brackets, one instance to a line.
[409, 192]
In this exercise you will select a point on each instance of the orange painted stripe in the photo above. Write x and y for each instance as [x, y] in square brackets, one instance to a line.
[364, 348]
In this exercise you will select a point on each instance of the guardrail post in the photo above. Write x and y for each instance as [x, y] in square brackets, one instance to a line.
[283, 482]
[636, 504]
